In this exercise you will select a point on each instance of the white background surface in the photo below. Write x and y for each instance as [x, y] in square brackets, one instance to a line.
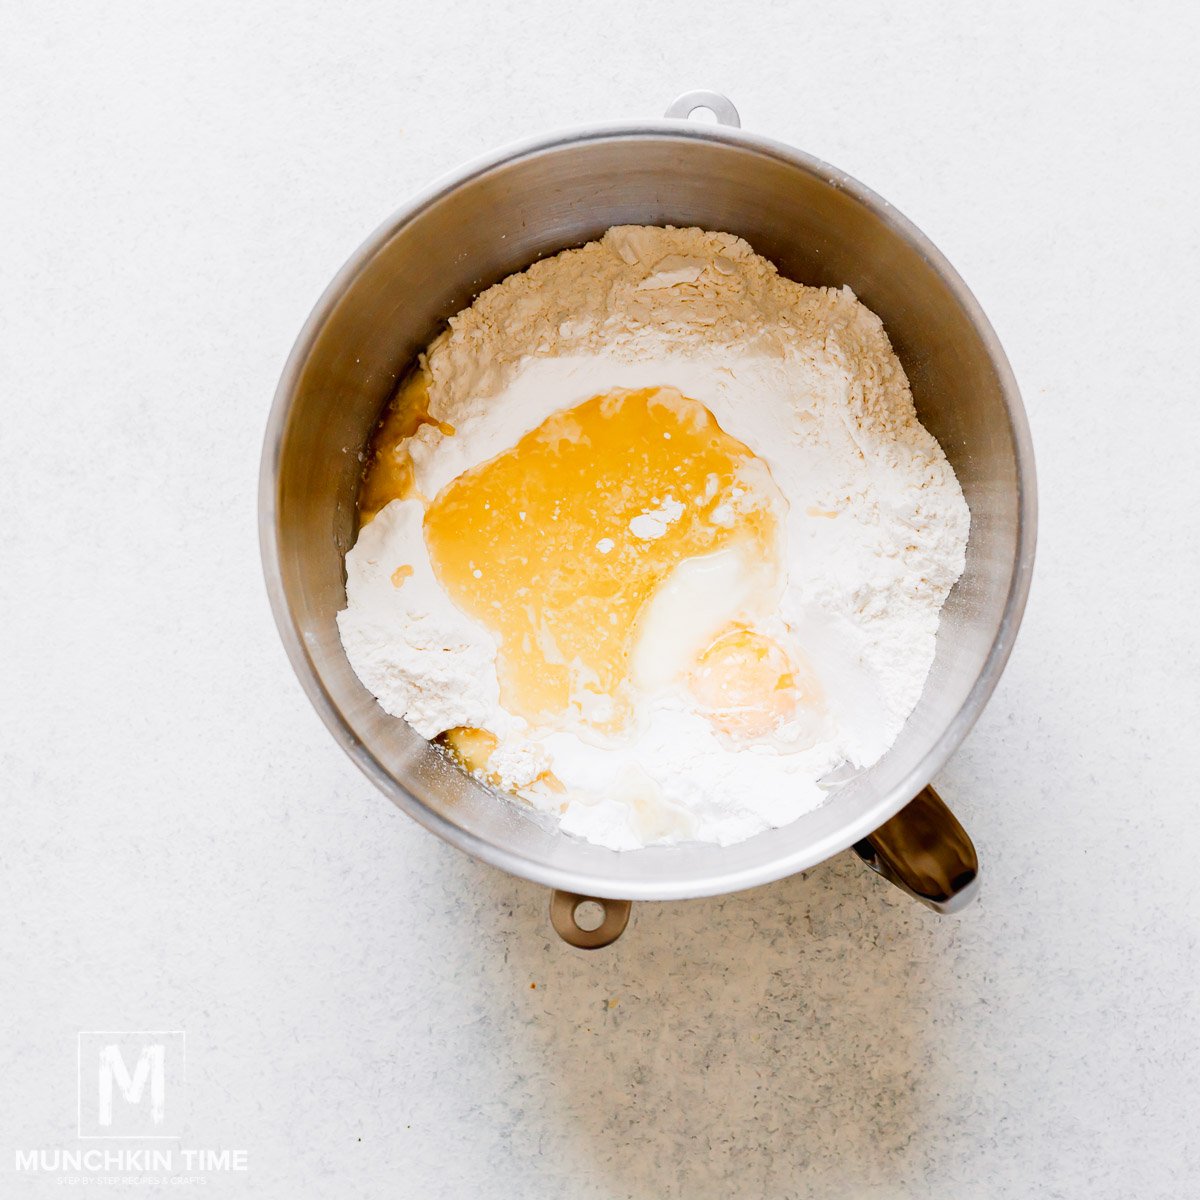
[185, 848]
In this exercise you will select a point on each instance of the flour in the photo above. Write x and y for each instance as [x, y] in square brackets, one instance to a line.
[418, 654]
[876, 526]
[654, 524]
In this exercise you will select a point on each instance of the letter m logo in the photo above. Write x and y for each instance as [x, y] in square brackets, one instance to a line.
[151, 1065]
[129, 1083]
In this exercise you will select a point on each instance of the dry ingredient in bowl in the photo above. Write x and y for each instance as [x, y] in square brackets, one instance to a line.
[654, 540]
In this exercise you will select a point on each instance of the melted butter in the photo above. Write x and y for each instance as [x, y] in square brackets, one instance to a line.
[470, 746]
[557, 544]
[389, 474]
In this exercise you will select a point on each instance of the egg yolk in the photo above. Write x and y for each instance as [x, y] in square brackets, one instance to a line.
[557, 544]
[747, 685]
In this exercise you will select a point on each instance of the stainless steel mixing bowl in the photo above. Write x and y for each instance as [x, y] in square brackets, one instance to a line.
[819, 226]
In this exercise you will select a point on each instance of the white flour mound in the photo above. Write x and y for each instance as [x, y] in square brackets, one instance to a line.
[876, 528]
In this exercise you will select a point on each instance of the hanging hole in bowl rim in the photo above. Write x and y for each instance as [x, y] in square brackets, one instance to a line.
[589, 915]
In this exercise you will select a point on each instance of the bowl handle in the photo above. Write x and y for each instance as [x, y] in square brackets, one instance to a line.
[721, 106]
[925, 852]
[563, 907]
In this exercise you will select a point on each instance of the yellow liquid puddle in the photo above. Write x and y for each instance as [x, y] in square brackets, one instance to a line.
[472, 747]
[389, 474]
[557, 544]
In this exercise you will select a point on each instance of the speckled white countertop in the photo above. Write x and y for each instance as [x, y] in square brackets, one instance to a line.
[371, 1014]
